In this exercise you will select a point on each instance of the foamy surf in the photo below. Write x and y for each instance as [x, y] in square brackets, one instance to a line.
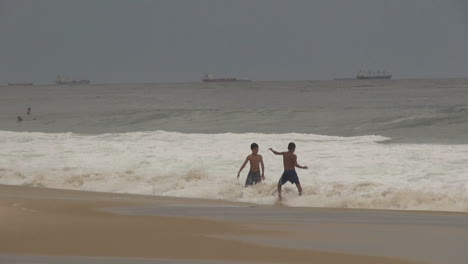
[354, 172]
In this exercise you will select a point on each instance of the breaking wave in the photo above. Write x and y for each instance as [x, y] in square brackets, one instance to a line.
[345, 172]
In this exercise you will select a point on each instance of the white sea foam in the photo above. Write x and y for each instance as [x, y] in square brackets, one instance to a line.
[357, 172]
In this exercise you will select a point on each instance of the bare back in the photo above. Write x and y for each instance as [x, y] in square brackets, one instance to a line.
[289, 160]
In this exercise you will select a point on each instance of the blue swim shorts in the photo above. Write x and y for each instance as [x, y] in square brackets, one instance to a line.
[289, 176]
[253, 178]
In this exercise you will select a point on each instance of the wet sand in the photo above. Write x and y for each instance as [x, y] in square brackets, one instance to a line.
[38, 225]
[436, 237]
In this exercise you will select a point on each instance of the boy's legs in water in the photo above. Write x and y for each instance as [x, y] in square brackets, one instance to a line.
[279, 190]
[298, 185]
[299, 188]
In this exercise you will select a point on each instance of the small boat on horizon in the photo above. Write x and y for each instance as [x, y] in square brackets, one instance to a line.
[210, 78]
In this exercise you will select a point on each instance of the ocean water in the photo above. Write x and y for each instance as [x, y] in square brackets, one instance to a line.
[400, 144]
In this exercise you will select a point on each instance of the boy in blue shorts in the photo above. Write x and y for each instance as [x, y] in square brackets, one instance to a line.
[290, 163]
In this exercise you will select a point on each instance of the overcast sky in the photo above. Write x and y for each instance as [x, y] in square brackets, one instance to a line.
[180, 40]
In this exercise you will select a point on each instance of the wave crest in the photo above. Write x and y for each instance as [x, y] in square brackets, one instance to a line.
[355, 172]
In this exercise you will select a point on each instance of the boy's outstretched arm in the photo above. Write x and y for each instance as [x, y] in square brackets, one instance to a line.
[263, 168]
[297, 164]
[275, 152]
[242, 167]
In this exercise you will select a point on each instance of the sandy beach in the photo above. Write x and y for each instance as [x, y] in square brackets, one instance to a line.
[38, 222]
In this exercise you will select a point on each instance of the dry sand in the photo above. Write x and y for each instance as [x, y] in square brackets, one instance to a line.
[38, 221]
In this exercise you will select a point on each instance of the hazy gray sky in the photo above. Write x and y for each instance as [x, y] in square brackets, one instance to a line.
[180, 40]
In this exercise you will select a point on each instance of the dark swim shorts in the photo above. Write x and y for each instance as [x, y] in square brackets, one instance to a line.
[253, 178]
[289, 176]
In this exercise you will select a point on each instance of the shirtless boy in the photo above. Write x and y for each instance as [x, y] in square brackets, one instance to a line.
[290, 163]
[255, 161]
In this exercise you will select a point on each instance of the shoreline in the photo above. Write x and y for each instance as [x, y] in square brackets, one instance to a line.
[43, 191]
[42, 221]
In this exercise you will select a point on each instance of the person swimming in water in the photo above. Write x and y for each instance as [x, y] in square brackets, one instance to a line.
[290, 163]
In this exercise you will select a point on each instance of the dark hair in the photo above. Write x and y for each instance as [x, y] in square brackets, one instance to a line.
[291, 145]
[253, 145]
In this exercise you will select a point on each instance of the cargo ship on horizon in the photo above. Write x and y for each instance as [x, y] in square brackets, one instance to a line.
[67, 81]
[378, 75]
[20, 84]
[210, 78]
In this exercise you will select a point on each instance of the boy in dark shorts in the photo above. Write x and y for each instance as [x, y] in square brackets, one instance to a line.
[290, 163]
[255, 161]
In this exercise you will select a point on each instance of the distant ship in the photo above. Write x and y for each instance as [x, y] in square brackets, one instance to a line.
[67, 81]
[209, 78]
[379, 75]
[21, 84]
